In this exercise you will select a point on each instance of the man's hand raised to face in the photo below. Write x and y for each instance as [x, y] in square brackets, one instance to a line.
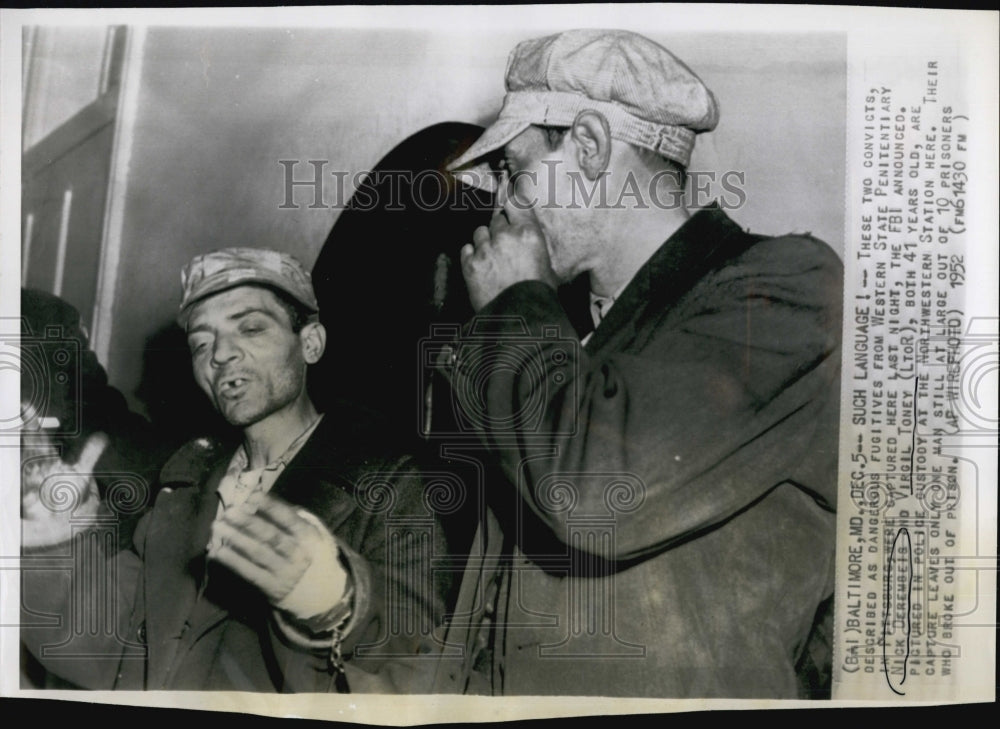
[290, 557]
[512, 249]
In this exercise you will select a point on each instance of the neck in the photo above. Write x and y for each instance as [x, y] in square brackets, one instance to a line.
[269, 438]
[631, 238]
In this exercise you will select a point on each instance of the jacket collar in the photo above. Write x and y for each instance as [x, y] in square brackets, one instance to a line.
[705, 241]
[321, 476]
[326, 455]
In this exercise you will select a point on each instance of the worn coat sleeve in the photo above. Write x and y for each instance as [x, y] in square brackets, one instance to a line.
[701, 409]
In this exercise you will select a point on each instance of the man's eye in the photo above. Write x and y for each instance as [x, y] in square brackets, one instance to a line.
[198, 347]
[251, 329]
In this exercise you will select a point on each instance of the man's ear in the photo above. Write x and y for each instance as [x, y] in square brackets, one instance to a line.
[313, 338]
[592, 135]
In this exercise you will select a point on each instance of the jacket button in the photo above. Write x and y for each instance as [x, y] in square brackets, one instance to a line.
[140, 632]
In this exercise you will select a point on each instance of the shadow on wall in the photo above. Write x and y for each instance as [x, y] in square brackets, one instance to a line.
[389, 270]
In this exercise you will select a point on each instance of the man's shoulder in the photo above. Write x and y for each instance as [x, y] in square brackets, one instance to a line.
[791, 253]
[795, 267]
[720, 257]
[787, 284]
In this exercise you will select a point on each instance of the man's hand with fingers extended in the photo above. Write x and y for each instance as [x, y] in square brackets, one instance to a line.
[285, 552]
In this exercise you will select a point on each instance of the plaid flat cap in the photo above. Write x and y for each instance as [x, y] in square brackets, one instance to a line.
[649, 97]
[212, 273]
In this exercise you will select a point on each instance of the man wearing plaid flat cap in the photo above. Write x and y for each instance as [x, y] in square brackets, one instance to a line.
[265, 563]
[665, 524]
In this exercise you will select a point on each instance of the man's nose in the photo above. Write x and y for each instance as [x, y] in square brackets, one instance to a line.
[225, 350]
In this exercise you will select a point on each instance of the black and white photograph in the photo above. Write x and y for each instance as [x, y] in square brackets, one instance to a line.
[551, 357]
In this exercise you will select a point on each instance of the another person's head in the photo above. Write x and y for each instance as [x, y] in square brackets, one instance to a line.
[65, 396]
[596, 124]
[251, 321]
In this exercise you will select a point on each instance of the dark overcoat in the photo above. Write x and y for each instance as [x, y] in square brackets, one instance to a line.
[665, 523]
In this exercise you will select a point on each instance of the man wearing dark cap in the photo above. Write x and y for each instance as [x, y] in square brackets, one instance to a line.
[666, 525]
[265, 564]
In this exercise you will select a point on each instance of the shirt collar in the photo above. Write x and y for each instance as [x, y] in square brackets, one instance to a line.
[238, 482]
[600, 305]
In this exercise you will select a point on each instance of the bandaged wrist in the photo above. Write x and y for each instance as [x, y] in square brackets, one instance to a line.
[322, 587]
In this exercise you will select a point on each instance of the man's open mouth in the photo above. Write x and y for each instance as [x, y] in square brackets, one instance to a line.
[232, 387]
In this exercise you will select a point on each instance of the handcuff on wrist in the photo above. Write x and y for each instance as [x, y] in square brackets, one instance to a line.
[325, 631]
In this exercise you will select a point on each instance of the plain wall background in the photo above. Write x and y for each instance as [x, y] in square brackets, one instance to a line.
[219, 107]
